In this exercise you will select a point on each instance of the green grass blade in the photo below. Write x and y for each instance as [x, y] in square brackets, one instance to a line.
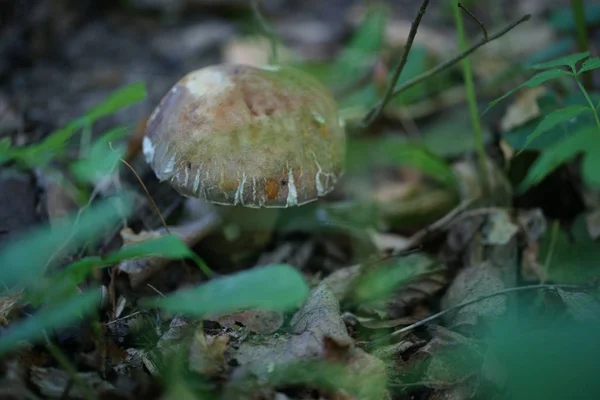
[26, 257]
[121, 98]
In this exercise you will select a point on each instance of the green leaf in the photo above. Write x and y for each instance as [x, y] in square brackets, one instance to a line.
[356, 58]
[569, 61]
[168, 246]
[25, 258]
[49, 317]
[383, 280]
[5, 150]
[558, 154]
[590, 64]
[555, 118]
[534, 81]
[574, 256]
[102, 159]
[55, 143]
[121, 98]
[274, 287]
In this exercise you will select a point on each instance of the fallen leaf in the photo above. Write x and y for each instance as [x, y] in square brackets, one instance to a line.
[321, 317]
[471, 283]
[317, 332]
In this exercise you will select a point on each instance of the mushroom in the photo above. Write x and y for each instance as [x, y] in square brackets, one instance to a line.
[246, 136]
[258, 139]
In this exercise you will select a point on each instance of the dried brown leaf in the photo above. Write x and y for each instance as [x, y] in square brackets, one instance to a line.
[471, 283]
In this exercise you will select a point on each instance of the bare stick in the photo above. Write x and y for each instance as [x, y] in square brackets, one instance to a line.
[474, 18]
[389, 92]
[374, 114]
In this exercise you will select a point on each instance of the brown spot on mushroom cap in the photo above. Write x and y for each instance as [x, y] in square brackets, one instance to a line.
[260, 137]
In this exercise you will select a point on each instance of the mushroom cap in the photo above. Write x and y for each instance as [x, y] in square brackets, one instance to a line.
[257, 137]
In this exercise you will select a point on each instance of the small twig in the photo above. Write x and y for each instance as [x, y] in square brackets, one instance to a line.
[268, 31]
[474, 18]
[389, 93]
[162, 220]
[439, 68]
[478, 299]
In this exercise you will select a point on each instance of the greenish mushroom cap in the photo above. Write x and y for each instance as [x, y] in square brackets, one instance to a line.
[257, 137]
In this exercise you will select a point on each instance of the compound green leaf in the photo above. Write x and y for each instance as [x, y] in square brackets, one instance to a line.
[590, 64]
[569, 61]
[555, 118]
[534, 81]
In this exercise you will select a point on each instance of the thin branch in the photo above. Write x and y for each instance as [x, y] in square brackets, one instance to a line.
[487, 296]
[389, 93]
[474, 18]
[268, 31]
[437, 69]
[162, 220]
